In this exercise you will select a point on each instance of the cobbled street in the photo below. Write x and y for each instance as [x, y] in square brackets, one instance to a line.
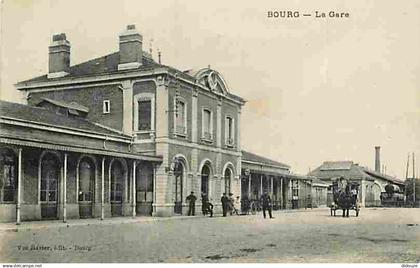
[377, 235]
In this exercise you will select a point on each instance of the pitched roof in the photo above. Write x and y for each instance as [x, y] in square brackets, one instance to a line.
[318, 182]
[31, 114]
[336, 165]
[348, 170]
[247, 156]
[382, 176]
[107, 64]
[70, 105]
[332, 169]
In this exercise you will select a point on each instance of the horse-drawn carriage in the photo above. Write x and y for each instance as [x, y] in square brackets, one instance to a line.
[345, 197]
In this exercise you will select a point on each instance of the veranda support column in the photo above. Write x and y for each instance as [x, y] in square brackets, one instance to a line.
[134, 188]
[102, 188]
[271, 187]
[65, 189]
[19, 186]
[281, 193]
[154, 191]
[249, 186]
[261, 185]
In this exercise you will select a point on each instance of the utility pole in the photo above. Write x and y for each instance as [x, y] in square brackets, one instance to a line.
[406, 175]
[414, 182]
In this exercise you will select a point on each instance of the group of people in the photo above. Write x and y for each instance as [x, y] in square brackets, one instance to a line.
[206, 206]
[229, 204]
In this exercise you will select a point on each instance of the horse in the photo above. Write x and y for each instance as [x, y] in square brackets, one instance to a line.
[344, 199]
[345, 202]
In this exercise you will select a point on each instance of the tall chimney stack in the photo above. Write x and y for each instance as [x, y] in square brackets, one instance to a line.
[59, 56]
[131, 49]
[377, 158]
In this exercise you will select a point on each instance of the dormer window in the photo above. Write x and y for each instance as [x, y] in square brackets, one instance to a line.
[180, 116]
[63, 107]
[106, 107]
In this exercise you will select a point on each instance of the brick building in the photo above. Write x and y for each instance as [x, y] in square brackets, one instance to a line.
[180, 132]
[123, 135]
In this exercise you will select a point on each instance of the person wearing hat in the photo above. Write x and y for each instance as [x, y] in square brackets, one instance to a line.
[191, 202]
[225, 204]
[266, 204]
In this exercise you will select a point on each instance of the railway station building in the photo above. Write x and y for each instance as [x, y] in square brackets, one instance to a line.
[124, 135]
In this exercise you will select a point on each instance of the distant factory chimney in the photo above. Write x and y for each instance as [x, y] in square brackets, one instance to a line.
[377, 158]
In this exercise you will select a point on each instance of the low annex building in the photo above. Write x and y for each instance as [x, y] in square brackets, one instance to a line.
[287, 190]
[372, 182]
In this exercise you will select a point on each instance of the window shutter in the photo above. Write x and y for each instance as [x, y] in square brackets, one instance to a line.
[227, 130]
[233, 130]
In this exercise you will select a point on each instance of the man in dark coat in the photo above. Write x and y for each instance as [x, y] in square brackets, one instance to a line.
[191, 201]
[225, 204]
[266, 204]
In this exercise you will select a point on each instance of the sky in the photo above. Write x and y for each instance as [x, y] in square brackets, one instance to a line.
[316, 89]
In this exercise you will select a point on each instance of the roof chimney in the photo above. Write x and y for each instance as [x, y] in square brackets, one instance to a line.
[377, 158]
[131, 51]
[59, 56]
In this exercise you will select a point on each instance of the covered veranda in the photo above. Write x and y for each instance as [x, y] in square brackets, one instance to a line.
[287, 190]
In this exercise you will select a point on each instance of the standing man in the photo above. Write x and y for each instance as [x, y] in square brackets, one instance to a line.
[266, 204]
[191, 199]
[225, 204]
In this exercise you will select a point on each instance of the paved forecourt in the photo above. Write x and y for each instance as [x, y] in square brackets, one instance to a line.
[377, 235]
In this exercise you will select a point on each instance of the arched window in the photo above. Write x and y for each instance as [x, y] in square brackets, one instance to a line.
[205, 175]
[178, 186]
[8, 180]
[228, 179]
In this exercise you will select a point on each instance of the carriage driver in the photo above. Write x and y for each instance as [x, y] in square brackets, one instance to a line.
[353, 192]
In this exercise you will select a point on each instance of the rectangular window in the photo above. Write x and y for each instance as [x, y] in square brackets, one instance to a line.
[181, 127]
[106, 106]
[145, 115]
[229, 130]
[9, 180]
[295, 189]
[207, 125]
